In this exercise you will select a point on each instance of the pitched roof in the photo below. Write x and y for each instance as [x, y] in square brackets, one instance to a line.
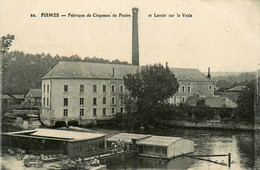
[214, 102]
[18, 96]
[60, 134]
[159, 141]
[36, 92]
[73, 70]
[127, 137]
[236, 88]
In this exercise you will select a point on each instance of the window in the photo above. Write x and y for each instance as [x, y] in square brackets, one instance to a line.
[66, 88]
[113, 100]
[104, 88]
[122, 88]
[94, 101]
[113, 110]
[65, 112]
[47, 101]
[210, 87]
[81, 101]
[113, 88]
[65, 101]
[177, 99]
[48, 88]
[44, 88]
[94, 88]
[179, 89]
[81, 112]
[94, 112]
[122, 109]
[183, 99]
[183, 89]
[189, 89]
[81, 88]
[44, 101]
[104, 100]
[121, 99]
[104, 111]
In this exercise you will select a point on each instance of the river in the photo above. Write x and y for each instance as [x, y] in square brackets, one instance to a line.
[244, 147]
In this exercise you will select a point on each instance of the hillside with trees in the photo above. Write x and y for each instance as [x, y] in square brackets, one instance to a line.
[24, 71]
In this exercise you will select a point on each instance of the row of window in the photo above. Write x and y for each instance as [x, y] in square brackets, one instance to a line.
[183, 89]
[47, 101]
[178, 100]
[95, 87]
[81, 111]
[48, 88]
[81, 101]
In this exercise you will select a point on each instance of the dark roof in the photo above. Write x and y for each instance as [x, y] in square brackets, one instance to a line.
[236, 89]
[73, 70]
[36, 92]
[214, 102]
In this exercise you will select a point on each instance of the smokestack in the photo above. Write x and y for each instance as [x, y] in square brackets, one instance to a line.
[208, 76]
[135, 43]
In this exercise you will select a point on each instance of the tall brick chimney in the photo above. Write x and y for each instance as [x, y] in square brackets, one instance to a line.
[135, 43]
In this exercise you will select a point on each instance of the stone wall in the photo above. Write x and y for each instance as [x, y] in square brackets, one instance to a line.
[211, 125]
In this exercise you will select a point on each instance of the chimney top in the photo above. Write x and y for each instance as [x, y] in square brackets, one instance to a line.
[209, 76]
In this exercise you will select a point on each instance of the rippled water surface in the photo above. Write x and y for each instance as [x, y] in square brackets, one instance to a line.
[243, 146]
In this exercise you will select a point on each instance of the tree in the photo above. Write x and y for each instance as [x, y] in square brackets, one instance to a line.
[6, 41]
[223, 85]
[149, 89]
[245, 109]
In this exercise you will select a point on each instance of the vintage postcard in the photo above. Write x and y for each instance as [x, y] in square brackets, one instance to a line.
[130, 84]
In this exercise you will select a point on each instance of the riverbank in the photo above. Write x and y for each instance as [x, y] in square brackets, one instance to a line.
[211, 125]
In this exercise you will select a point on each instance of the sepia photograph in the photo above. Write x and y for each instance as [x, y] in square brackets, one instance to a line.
[104, 85]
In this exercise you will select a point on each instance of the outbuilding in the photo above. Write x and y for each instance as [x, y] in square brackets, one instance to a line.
[33, 97]
[164, 147]
[52, 141]
[126, 137]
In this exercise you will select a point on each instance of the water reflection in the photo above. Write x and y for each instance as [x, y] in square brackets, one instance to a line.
[243, 146]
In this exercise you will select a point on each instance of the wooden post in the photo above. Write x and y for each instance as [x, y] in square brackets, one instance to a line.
[229, 160]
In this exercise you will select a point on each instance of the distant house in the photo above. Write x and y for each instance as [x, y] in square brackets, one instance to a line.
[33, 97]
[236, 89]
[213, 102]
[6, 99]
[18, 99]
[231, 93]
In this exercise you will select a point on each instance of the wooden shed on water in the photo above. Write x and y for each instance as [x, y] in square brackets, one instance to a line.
[52, 141]
[164, 147]
[126, 137]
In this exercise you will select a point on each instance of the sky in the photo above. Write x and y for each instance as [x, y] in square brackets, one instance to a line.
[222, 35]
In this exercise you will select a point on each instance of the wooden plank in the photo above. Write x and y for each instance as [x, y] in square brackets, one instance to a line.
[208, 155]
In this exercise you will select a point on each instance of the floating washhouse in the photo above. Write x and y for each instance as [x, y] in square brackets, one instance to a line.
[164, 147]
[126, 137]
[52, 141]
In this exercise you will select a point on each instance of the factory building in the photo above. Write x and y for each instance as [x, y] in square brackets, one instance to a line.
[83, 92]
